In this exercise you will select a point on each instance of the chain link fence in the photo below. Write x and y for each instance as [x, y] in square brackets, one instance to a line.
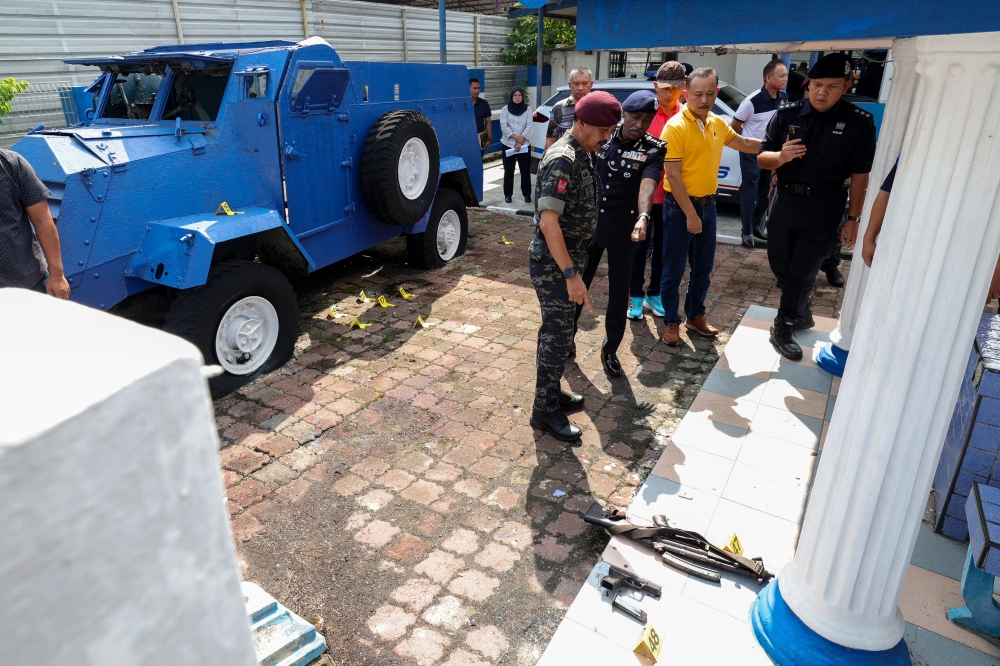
[50, 104]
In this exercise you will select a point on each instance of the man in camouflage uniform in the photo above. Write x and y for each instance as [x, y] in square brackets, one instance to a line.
[566, 193]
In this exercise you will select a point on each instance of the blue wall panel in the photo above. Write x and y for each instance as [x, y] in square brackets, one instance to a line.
[607, 24]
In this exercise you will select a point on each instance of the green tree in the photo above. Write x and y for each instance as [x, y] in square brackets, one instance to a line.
[524, 39]
[8, 88]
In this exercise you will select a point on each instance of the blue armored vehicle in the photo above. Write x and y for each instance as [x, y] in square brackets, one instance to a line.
[316, 159]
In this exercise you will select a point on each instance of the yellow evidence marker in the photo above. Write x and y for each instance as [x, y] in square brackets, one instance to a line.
[335, 314]
[364, 299]
[224, 209]
[649, 643]
[734, 546]
[384, 303]
[402, 292]
[504, 241]
[419, 323]
[357, 324]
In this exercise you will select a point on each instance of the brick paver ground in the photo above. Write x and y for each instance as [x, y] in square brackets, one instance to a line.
[385, 482]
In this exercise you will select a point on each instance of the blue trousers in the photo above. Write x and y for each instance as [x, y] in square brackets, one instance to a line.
[654, 237]
[681, 247]
[754, 187]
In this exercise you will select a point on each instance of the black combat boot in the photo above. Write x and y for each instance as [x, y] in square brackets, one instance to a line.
[556, 424]
[569, 402]
[781, 337]
[834, 277]
[806, 320]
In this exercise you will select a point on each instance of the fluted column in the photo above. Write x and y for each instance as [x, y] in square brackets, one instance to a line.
[898, 109]
[937, 251]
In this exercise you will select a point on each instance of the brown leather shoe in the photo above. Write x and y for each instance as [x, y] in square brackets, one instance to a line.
[672, 334]
[701, 325]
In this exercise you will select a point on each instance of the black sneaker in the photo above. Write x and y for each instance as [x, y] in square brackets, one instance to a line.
[781, 337]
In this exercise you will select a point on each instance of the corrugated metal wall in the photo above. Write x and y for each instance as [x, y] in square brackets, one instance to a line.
[36, 36]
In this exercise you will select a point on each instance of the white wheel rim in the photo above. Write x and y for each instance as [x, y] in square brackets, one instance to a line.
[414, 165]
[246, 335]
[449, 234]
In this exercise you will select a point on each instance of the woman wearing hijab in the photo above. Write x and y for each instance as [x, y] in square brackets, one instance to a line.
[515, 124]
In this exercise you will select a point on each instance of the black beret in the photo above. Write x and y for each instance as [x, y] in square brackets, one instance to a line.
[641, 101]
[832, 66]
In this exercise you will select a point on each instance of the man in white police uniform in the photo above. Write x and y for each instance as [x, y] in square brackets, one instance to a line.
[751, 121]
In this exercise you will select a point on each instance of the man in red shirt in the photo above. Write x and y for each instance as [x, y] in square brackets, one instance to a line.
[671, 81]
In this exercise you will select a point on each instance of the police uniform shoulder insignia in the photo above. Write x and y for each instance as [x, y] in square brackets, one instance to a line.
[654, 142]
[789, 105]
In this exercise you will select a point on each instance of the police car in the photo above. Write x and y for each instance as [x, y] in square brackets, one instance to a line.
[728, 101]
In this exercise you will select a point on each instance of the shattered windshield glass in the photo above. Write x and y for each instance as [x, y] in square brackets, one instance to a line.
[133, 92]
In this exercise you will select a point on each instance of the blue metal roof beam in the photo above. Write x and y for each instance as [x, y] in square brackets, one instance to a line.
[612, 24]
[549, 7]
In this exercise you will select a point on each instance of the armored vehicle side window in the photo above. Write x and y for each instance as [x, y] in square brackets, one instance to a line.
[197, 94]
[132, 94]
[319, 88]
[256, 86]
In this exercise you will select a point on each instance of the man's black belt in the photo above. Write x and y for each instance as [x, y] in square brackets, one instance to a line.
[810, 188]
[701, 201]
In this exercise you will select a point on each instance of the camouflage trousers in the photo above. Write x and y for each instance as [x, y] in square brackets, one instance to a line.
[555, 335]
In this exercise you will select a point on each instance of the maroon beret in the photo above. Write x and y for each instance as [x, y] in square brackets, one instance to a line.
[599, 108]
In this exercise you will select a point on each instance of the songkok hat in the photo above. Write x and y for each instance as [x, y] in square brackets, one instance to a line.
[832, 66]
[671, 75]
[599, 108]
[641, 101]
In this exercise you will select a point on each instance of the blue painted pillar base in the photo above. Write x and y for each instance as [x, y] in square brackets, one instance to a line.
[789, 642]
[981, 613]
[832, 359]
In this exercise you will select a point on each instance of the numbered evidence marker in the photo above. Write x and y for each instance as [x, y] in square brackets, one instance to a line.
[419, 323]
[384, 303]
[402, 292]
[362, 298]
[357, 324]
[224, 209]
[649, 643]
[734, 546]
[504, 241]
[335, 314]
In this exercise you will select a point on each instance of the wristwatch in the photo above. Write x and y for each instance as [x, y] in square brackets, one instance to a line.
[570, 273]
[853, 218]
[645, 215]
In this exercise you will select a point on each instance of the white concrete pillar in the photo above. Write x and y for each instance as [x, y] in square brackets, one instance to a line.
[917, 321]
[899, 106]
[115, 546]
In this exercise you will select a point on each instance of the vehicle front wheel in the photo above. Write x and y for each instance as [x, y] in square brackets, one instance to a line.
[244, 318]
[447, 232]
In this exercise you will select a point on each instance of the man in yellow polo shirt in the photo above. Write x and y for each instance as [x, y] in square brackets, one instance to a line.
[695, 138]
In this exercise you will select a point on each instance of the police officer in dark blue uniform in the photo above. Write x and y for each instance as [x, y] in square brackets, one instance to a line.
[836, 141]
[628, 169]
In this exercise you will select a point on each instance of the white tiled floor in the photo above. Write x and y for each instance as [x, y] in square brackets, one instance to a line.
[741, 461]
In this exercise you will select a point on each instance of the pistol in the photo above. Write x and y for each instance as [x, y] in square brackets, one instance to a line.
[617, 577]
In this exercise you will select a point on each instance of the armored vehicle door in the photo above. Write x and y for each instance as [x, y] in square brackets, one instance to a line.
[316, 152]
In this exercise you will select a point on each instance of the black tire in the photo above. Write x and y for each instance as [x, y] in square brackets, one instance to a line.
[196, 313]
[422, 249]
[380, 164]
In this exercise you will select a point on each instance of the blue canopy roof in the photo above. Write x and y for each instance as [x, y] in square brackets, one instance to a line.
[612, 24]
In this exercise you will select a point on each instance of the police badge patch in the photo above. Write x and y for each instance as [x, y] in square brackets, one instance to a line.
[561, 186]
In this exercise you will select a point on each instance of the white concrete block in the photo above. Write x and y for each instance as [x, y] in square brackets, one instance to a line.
[115, 547]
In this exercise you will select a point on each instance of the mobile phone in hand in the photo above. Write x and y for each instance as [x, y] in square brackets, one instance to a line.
[794, 132]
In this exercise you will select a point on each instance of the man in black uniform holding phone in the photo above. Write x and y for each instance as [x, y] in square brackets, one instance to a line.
[814, 144]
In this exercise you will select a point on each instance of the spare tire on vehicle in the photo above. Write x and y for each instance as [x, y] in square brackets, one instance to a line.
[400, 167]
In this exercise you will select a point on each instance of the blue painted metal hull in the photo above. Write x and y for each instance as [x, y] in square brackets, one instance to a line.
[126, 191]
